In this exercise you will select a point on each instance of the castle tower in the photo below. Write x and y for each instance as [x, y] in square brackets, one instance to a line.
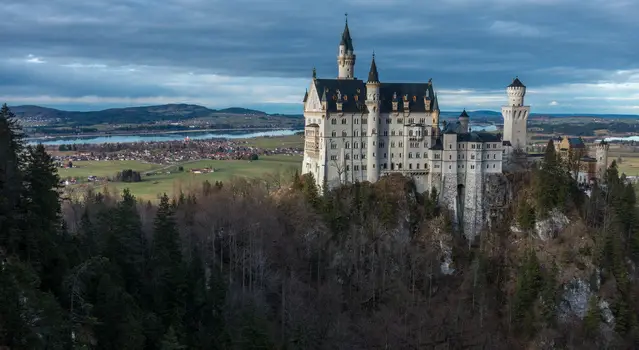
[464, 119]
[346, 55]
[435, 116]
[601, 154]
[515, 115]
[373, 104]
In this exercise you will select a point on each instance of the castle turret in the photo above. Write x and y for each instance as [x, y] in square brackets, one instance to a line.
[372, 104]
[515, 115]
[601, 154]
[435, 116]
[346, 55]
[464, 119]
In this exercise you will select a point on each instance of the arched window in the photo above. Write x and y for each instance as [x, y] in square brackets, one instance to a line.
[333, 133]
[347, 145]
[333, 121]
[347, 156]
[355, 145]
[343, 133]
[374, 132]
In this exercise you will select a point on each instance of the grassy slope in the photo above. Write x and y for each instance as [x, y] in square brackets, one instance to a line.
[152, 186]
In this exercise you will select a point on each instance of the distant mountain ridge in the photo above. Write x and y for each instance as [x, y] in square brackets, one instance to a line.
[141, 114]
[182, 111]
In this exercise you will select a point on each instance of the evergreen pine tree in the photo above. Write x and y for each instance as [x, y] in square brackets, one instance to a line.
[168, 268]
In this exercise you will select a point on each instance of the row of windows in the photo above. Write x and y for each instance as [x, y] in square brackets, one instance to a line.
[473, 145]
[387, 121]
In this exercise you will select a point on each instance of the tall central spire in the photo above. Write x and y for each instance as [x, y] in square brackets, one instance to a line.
[346, 54]
[346, 36]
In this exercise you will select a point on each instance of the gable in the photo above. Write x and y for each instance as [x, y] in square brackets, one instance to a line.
[313, 104]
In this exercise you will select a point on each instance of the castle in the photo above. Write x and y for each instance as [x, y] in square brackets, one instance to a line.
[359, 130]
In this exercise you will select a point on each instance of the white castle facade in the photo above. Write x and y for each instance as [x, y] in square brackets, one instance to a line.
[359, 130]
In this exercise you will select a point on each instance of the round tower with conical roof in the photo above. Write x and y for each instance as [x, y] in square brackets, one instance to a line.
[515, 116]
[464, 120]
[373, 105]
[346, 55]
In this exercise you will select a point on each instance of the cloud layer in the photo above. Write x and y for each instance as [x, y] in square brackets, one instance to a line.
[574, 56]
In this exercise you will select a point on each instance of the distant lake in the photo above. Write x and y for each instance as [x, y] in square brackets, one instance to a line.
[627, 138]
[160, 137]
[239, 134]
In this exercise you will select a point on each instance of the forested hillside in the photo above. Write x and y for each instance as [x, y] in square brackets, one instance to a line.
[272, 264]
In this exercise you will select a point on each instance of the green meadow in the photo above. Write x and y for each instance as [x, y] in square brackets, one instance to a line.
[166, 179]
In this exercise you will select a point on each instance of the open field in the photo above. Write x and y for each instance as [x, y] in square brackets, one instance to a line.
[292, 141]
[171, 183]
[104, 168]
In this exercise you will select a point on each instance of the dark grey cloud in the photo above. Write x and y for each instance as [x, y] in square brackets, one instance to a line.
[187, 49]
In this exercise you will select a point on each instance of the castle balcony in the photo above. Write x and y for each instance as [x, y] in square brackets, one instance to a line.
[405, 172]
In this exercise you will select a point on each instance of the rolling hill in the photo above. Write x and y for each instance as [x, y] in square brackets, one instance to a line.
[137, 115]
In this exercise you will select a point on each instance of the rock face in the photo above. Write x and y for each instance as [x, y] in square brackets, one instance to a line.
[551, 226]
[575, 299]
[475, 200]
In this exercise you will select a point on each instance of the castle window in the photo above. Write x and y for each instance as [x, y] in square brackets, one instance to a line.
[345, 97]
[364, 167]
[487, 166]
[417, 166]
[348, 167]
[450, 167]
[355, 145]
[347, 145]
[472, 167]
[400, 121]
[363, 132]
[450, 156]
[364, 145]
[425, 165]
[473, 146]
[333, 121]
[385, 132]
[411, 120]
[493, 166]
[364, 121]
[347, 156]
[392, 132]
[410, 133]
[381, 144]
[414, 98]
[401, 144]
[333, 146]
[472, 156]
[356, 156]
[450, 146]
[392, 155]
[343, 133]
[401, 132]
[417, 155]
[422, 120]
[356, 121]
[399, 165]
[344, 121]
[356, 98]
[388, 121]
[374, 132]
[355, 133]
[400, 155]
[494, 156]
[410, 154]
[333, 133]
[385, 156]
[333, 157]
[392, 144]
[410, 166]
[363, 156]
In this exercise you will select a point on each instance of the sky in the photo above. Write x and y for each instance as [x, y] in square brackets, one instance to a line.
[574, 56]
